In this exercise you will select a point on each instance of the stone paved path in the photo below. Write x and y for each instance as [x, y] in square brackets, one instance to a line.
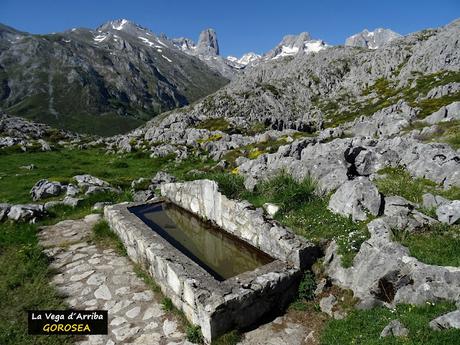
[94, 278]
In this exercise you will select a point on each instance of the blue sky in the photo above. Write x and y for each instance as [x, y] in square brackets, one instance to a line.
[242, 26]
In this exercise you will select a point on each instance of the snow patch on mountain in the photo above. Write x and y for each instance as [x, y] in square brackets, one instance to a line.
[372, 39]
[118, 25]
[294, 44]
[100, 38]
[245, 60]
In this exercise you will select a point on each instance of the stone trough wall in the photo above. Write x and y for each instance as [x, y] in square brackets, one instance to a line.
[202, 198]
[217, 307]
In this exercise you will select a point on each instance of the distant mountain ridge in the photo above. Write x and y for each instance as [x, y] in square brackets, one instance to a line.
[372, 39]
[116, 77]
[102, 81]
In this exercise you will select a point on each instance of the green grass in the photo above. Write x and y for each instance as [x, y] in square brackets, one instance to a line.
[438, 245]
[24, 285]
[62, 165]
[398, 181]
[387, 94]
[25, 275]
[24, 271]
[253, 151]
[193, 334]
[230, 338]
[448, 132]
[364, 327]
[315, 222]
[301, 210]
[105, 237]
[214, 124]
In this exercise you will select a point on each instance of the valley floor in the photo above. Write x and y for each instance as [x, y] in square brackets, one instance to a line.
[26, 271]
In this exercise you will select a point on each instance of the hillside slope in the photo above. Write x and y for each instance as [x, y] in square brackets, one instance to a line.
[103, 81]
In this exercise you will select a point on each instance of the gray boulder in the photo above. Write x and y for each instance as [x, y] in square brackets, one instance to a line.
[100, 205]
[271, 209]
[93, 185]
[446, 321]
[88, 180]
[449, 213]
[447, 113]
[396, 329]
[356, 198]
[45, 189]
[143, 195]
[402, 214]
[433, 201]
[135, 184]
[4, 208]
[97, 189]
[72, 190]
[24, 213]
[160, 178]
[327, 304]
[51, 204]
[72, 201]
[384, 272]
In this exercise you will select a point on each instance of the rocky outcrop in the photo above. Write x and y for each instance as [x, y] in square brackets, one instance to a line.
[449, 213]
[395, 328]
[403, 214]
[446, 321]
[45, 189]
[207, 43]
[372, 39]
[448, 113]
[383, 272]
[4, 209]
[92, 185]
[335, 162]
[357, 198]
[26, 213]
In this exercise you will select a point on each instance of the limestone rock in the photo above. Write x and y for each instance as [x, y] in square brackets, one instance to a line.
[447, 113]
[45, 189]
[100, 205]
[143, 195]
[396, 329]
[355, 198]
[160, 178]
[446, 321]
[433, 201]
[71, 201]
[271, 209]
[327, 304]
[402, 214]
[29, 212]
[449, 213]
[88, 180]
[4, 209]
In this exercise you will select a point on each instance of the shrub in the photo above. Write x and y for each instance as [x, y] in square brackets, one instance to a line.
[167, 305]
[194, 334]
[307, 286]
[287, 192]
[230, 338]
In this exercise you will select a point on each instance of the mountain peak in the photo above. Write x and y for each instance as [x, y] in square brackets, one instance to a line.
[207, 43]
[294, 44]
[372, 39]
[124, 25]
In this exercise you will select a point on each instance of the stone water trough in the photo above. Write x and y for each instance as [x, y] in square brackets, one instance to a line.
[220, 261]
